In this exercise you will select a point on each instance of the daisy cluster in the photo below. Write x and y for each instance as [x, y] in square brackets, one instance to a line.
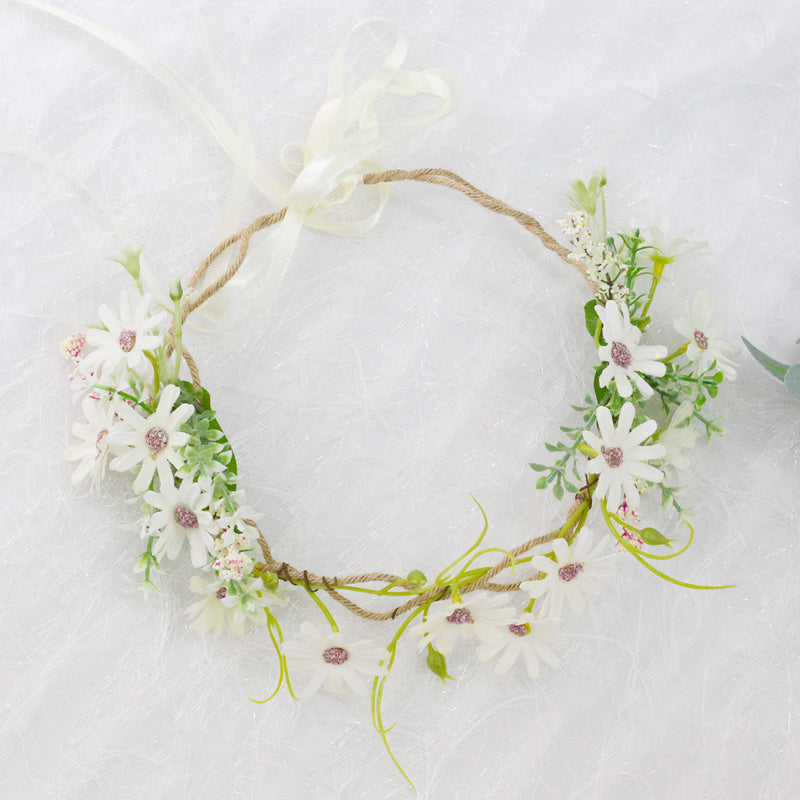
[141, 419]
[648, 407]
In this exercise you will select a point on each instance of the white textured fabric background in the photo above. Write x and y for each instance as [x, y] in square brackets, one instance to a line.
[395, 374]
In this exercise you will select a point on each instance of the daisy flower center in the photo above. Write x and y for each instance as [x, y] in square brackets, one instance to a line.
[519, 630]
[612, 455]
[701, 339]
[221, 592]
[156, 440]
[620, 355]
[570, 572]
[185, 517]
[460, 616]
[335, 655]
[127, 340]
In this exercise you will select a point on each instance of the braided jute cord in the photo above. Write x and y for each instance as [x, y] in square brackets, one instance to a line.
[332, 585]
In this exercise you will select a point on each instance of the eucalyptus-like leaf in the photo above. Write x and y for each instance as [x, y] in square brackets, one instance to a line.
[792, 380]
[772, 366]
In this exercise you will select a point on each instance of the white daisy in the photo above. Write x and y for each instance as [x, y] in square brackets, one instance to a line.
[621, 457]
[577, 569]
[225, 605]
[333, 662]
[124, 339]
[705, 347]
[183, 516]
[152, 441]
[93, 448]
[527, 636]
[670, 250]
[479, 615]
[678, 436]
[627, 359]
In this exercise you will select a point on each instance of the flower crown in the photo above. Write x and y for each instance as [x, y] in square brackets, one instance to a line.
[148, 415]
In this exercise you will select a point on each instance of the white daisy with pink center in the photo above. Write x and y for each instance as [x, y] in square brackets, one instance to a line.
[621, 456]
[627, 359]
[183, 517]
[124, 340]
[151, 440]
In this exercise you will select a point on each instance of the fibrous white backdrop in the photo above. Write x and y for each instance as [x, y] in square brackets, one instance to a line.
[395, 374]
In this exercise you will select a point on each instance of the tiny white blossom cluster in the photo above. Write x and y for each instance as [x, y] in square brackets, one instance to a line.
[140, 419]
[601, 263]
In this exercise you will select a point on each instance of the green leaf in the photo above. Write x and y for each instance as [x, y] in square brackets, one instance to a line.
[558, 490]
[570, 487]
[437, 664]
[792, 380]
[552, 448]
[201, 400]
[590, 317]
[653, 536]
[542, 482]
[538, 467]
[416, 578]
[772, 366]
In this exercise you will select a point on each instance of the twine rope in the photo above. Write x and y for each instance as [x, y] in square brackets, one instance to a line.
[332, 585]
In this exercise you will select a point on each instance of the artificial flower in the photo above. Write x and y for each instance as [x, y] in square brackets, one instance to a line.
[152, 441]
[667, 251]
[182, 516]
[527, 636]
[621, 456]
[678, 436]
[704, 344]
[228, 604]
[574, 570]
[332, 661]
[93, 448]
[627, 359]
[479, 615]
[125, 338]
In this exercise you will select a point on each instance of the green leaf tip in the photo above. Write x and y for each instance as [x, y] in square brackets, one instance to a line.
[772, 366]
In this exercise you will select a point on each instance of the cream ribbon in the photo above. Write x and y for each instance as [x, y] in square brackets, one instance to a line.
[343, 143]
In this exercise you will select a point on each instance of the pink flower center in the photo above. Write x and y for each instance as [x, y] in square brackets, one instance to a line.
[701, 339]
[335, 655]
[570, 572]
[460, 616]
[519, 630]
[156, 440]
[126, 340]
[620, 355]
[612, 455]
[221, 592]
[185, 517]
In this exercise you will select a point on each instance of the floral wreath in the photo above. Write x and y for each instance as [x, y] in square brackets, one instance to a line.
[647, 407]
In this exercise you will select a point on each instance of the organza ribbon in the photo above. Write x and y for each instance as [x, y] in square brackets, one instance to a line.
[342, 144]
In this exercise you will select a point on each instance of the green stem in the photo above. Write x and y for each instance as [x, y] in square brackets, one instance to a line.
[324, 609]
[156, 378]
[178, 316]
[440, 578]
[679, 352]
[377, 694]
[125, 395]
[638, 556]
